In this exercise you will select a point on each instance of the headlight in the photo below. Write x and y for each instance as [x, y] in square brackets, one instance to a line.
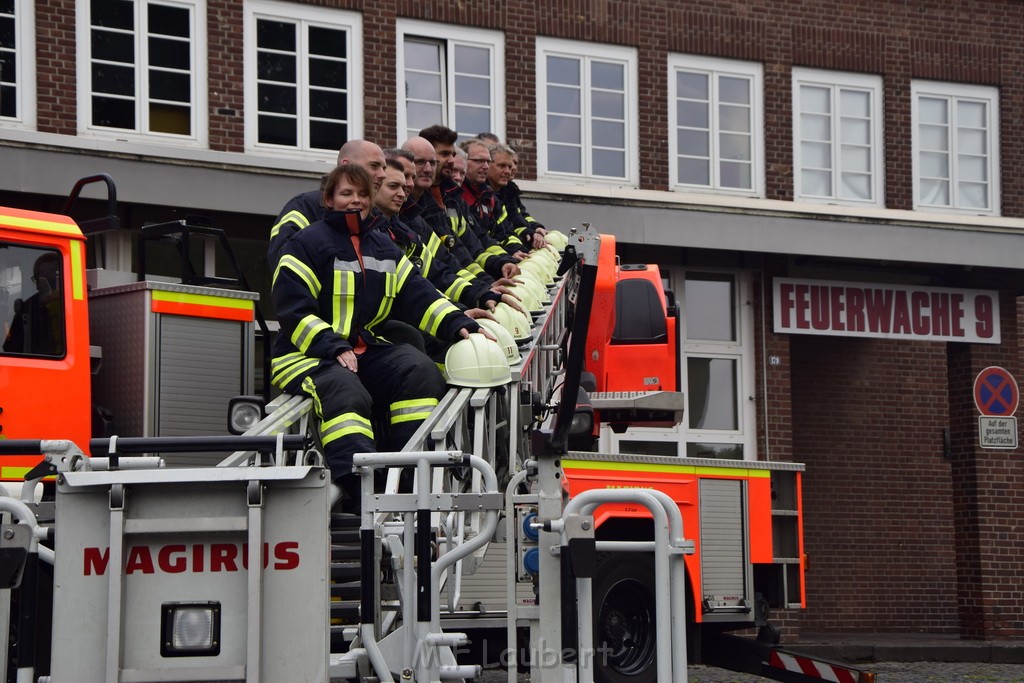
[190, 629]
[244, 412]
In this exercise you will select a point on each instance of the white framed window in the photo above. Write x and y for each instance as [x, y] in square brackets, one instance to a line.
[17, 66]
[303, 78]
[587, 112]
[450, 75]
[838, 154]
[717, 373]
[955, 147]
[716, 125]
[142, 70]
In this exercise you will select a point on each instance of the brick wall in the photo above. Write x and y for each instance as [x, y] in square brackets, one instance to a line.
[868, 416]
[972, 42]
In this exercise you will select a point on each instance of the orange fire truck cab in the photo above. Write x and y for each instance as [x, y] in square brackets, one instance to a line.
[44, 328]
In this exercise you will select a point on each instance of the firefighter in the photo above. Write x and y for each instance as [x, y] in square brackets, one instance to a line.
[336, 282]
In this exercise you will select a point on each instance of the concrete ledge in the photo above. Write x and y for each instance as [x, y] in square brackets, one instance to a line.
[907, 647]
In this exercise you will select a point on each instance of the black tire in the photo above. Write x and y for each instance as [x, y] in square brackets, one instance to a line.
[625, 612]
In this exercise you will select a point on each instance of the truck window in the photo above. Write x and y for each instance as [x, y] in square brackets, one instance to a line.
[31, 302]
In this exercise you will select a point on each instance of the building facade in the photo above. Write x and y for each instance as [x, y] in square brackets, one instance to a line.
[831, 188]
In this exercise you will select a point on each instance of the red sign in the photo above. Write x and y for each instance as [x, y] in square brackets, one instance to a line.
[995, 392]
[177, 558]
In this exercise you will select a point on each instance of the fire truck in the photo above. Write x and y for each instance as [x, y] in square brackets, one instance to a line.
[142, 543]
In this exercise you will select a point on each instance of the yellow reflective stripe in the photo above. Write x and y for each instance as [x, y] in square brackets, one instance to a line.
[495, 250]
[672, 469]
[344, 425]
[433, 244]
[483, 258]
[428, 260]
[456, 289]
[304, 272]
[458, 224]
[402, 273]
[434, 314]
[290, 217]
[77, 257]
[280, 362]
[306, 331]
[201, 299]
[310, 388]
[281, 378]
[504, 215]
[344, 294]
[69, 228]
[415, 409]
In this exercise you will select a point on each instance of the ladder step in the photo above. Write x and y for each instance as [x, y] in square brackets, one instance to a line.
[342, 553]
[350, 590]
[343, 572]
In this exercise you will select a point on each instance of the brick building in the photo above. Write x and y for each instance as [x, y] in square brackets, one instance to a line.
[831, 188]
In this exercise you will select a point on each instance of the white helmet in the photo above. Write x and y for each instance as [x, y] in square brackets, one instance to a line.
[505, 340]
[476, 362]
[545, 276]
[513, 321]
[531, 280]
[528, 296]
[556, 239]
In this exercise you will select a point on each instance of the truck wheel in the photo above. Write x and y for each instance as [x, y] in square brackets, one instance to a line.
[625, 633]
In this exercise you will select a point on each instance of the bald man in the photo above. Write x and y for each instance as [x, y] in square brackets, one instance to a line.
[307, 208]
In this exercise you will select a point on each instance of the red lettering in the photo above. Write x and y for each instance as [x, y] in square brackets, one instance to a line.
[801, 307]
[918, 313]
[222, 557]
[169, 564]
[287, 555]
[940, 313]
[901, 321]
[879, 309]
[819, 307]
[139, 560]
[958, 315]
[855, 309]
[786, 302]
[983, 314]
[197, 558]
[837, 296]
[96, 561]
[245, 555]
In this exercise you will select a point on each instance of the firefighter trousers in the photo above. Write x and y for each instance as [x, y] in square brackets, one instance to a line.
[395, 388]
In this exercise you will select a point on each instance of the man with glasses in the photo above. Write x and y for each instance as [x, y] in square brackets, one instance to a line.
[487, 209]
[501, 176]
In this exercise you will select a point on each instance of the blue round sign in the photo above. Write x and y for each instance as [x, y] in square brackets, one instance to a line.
[996, 392]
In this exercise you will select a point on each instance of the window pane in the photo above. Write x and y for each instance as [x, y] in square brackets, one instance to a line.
[328, 74]
[718, 451]
[564, 129]
[473, 60]
[328, 42]
[693, 114]
[855, 103]
[608, 134]
[422, 114]
[734, 119]
[971, 114]
[815, 127]
[972, 195]
[275, 35]
[563, 70]
[736, 174]
[934, 165]
[692, 86]
[710, 307]
[112, 113]
[816, 183]
[31, 301]
[565, 159]
[856, 159]
[8, 101]
[712, 393]
[933, 110]
[563, 100]
[732, 146]
[113, 80]
[327, 135]
[815, 100]
[694, 171]
[275, 67]
[165, 85]
[855, 186]
[168, 21]
[608, 76]
[113, 47]
[425, 56]
[734, 90]
[608, 105]
[422, 86]
[934, 138]
[609, 163]
[168, 118]
[971, 141]
[327, 104]
[472, 90]
[276, 99]
[972, 168]
[277, 130]
[174, 54]
[112, 14]
[934, 192]
[694, 142]
[815, 155]
[474, 119]
[857, 131]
